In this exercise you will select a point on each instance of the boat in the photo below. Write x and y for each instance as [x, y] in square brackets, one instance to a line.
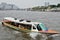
[27, 26]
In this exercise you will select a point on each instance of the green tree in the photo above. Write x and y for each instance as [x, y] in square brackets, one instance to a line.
[36, 8]
[52, 6]
[58, 5]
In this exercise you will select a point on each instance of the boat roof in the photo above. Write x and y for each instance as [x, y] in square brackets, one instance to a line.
[18, 20]
[25, 22]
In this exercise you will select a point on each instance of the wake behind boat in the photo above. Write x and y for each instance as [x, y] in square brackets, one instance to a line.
[27, 26]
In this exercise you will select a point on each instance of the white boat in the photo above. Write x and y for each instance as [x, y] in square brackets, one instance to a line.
[26, 25]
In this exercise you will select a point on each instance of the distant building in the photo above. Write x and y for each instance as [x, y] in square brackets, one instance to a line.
[5, 6]
[55, 9]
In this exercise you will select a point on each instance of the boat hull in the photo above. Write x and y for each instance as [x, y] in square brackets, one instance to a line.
[15, 28]
[49, 32]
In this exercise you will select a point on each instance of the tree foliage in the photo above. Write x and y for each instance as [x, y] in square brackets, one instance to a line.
[45, 7]
[58, 5]
[52, 6]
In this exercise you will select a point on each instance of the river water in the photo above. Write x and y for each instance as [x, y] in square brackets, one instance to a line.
[50, 19]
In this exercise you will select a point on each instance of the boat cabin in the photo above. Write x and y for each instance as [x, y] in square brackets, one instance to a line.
[25, 24]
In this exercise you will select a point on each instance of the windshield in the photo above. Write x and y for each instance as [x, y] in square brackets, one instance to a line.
[43, 27]
[38, 27]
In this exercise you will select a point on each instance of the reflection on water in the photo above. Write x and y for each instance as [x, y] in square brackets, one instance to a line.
[51, 19]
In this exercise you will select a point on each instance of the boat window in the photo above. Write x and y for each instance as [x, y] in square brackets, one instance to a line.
[15, 18]
[34, 27]
[28, 21]
[29, 27]
[13, 23]
[26, 26]
[17, 24]
[21, 20]
[38, 27]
